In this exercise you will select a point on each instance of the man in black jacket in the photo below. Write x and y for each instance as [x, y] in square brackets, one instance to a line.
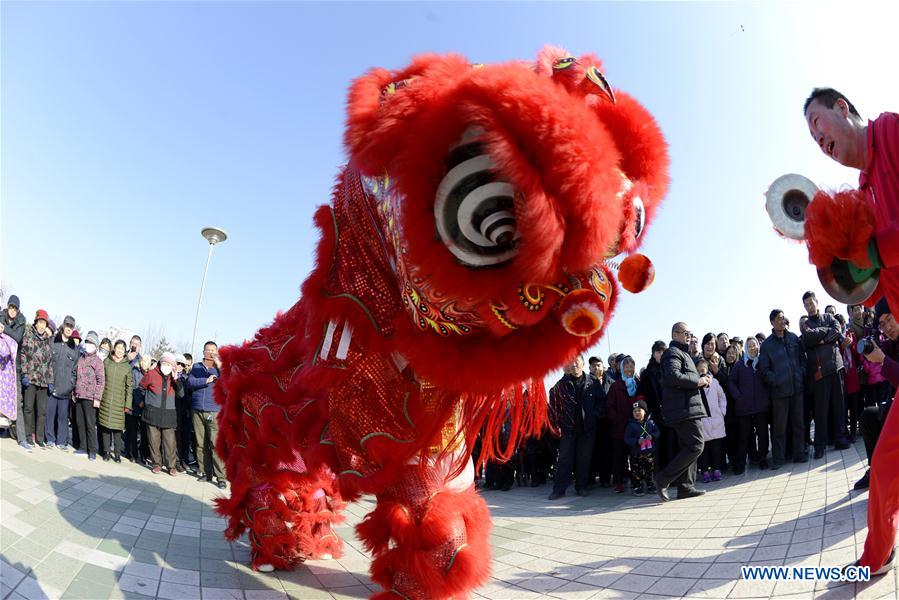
[602, 446]
[682, 409]
[573, 402]
[822, 338]
[782, 366]
[887, 354]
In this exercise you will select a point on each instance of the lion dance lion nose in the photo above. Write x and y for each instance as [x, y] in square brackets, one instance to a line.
[582, 313]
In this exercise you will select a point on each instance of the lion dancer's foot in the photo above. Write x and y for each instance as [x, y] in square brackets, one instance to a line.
[428, 536]
[289, 523]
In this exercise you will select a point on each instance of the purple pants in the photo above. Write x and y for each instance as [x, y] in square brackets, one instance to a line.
[57, 430]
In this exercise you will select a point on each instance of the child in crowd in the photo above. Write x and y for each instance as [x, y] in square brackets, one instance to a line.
[711, 461]
[640, 435]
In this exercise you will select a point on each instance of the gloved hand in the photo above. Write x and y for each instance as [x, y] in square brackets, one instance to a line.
[840, 226]
[25, 381]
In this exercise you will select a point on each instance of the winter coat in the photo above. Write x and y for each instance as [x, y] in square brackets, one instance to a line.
[748, 389]
[641, 438]
[116, 394]
[8, 351]
[573, 404]
[37, 357]
[159, 398]
[91, 378]
[681, 400]
[619, 408]
[600, 391]
[782, 364]
[201, 397]
[822, 340]
[14, 328]
[872, 370]
[65, 360]
[713, 425]
[651, 389]
[851, 382]
[137, 394]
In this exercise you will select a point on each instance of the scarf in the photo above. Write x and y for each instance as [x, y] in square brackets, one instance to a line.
[631, 383]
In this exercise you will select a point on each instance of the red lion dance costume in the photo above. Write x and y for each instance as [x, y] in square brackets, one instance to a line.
[461, 259]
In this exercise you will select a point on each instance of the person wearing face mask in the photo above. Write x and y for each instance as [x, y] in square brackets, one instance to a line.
[65, 355]
[116, 400]
[37, 375]
[90, 381]
[105, 348]
[751, 404]
[619, 406]
[161, 385]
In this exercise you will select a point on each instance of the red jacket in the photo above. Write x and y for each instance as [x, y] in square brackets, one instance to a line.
[880, 181]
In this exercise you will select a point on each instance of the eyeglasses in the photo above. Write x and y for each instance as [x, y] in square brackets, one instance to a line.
[686, 333]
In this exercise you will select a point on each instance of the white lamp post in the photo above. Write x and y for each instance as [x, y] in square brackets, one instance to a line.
[213, 235]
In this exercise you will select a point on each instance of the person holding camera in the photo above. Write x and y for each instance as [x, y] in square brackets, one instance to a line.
[201, 381]
[885, 354]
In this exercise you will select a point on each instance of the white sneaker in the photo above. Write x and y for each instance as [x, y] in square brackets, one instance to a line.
[266, 568]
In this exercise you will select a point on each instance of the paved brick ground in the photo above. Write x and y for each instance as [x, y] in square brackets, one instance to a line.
[76, 529]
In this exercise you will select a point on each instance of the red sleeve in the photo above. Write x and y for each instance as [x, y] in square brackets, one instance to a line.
[886, 131]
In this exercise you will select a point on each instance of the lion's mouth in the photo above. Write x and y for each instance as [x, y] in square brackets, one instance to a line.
[474, 209]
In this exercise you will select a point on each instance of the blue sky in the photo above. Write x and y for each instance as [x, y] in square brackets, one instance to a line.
[127, 127]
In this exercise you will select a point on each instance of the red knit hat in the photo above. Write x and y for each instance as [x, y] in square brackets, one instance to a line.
[42, 314]
[76, 335]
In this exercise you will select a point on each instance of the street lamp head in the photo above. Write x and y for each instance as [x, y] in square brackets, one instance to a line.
[214, 235]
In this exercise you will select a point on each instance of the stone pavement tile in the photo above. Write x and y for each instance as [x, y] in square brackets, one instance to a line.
[672, 586]
[634, 583]
[178, 591]
[32, 590]
[542, 583]
[574, 590]
[688, 570]
[264, 595]
[609, 594]
[877, 588]
[711, 588]
[308, 593]
[224, 580]
[804, 548]
[88, 589]
[11, 575]
[182, 576]
[601, 579]
[770, 552]
[752, 589]
[356, 592]
[146, 586]
[221, 594]
[334, 580]
[140, 569]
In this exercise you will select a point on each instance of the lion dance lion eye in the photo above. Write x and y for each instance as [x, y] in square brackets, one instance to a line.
[639, 217]
[473, 211]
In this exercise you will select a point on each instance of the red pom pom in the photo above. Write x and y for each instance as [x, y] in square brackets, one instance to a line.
[582, 313]
[839, 226]
[636, 273]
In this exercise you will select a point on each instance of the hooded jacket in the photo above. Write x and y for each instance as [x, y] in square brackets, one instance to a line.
[636, 435]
